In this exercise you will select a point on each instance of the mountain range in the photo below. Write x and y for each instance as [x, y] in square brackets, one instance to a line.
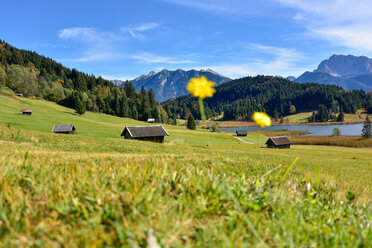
[347, 71]
[171, 84]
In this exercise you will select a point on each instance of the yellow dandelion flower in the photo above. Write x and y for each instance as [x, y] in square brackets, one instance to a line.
[201, 87]
[262, 119]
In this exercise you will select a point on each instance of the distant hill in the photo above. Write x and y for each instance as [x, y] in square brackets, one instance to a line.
[240, 98]
[171, 84]
[349, 72]
[32, 75]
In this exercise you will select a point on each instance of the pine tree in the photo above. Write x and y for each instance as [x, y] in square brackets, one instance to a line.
[323, 114]
[367, 128]
[2, 77]
[145, 110]
[369, 107]
[191, 122]
[116, 104]
[312, 117]
[130, 90]
[81, 83]
[152, 98]
[79, 106]
[341, 117]
[124, 111]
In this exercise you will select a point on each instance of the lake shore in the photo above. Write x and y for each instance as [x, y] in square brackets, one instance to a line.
[231, 124]
[319, 130]
[346, 141]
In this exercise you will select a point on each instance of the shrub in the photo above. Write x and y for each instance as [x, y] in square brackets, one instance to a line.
[336, 132]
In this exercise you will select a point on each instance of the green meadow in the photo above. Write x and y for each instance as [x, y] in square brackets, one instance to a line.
[197, 189]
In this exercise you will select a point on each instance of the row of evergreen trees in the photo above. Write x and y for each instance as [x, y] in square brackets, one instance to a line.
[323, 114]
[278, 97]
[35, 75]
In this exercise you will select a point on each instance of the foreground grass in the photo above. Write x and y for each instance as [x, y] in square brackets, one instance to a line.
[59, 190]
[198, 189]
[53, 198]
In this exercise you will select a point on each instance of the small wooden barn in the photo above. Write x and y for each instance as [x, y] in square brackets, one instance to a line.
[26, 111]
[146, 133]
[241, 133]
[279, 142]
[66, 129]
[151, 120]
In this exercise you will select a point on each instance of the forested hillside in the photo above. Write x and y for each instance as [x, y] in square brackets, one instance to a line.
[277, 96]
[31, 74]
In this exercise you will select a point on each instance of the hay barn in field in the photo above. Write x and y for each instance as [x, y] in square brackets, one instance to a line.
[280, 142]
[65, 129]
[146, 133]
[241, 133]
[26, 111]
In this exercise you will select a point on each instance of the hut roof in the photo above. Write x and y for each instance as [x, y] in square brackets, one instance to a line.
[280, 140]
[27, 110]
[241, 132]
[145, 131]
[63, 128]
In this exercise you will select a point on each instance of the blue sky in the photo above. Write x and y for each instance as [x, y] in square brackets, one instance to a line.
[125, 39]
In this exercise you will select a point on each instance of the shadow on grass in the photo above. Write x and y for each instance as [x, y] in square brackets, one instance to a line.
[70, 113]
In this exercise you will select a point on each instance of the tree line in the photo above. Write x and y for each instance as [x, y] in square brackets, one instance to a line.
[31, 74]
[278, 97]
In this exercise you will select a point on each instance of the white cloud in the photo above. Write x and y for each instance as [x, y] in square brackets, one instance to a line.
[209, 5]
[135, 32]
[89, 35]
[342, 22]
[149, 58]
[98, 45]
[283, 54]
[93, 56]
[262, 67]
[76, 32]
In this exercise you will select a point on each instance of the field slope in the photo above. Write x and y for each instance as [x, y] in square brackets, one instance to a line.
[198, 188]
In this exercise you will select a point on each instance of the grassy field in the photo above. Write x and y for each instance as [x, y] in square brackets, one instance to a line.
[299, 117]
[198, 189]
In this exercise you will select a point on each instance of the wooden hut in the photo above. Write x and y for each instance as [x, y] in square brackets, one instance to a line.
[26, 111]
[151, 120]
[279, 142]
[66, 129]
[146, 133]
[241, 133]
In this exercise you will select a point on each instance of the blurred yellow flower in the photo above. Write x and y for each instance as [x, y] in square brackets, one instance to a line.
[201, 87]
[262, 119]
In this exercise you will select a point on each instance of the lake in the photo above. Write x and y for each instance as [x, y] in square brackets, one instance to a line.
[323, 130]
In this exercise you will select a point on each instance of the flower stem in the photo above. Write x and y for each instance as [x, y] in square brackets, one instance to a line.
[201, 106]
